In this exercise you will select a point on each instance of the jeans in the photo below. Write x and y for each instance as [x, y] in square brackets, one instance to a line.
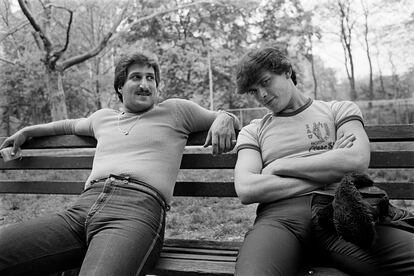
[116, 227]
[286, 233]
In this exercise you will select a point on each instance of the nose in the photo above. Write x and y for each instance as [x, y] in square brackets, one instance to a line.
[143, 83]
[262, 93]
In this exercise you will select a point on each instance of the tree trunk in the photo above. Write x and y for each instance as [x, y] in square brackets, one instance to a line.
[5, 116]
[210, 80]
[315, 81]
[381, 77]
[371, 82]
[56, 96]
[97, 85]
[346, 38]
[352, 79]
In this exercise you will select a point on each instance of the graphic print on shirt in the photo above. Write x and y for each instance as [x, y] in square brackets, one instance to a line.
[318, 135]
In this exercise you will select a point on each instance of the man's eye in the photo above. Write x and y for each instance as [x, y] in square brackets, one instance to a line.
[135, 77]
[150, 78]
[265, 82]
[251, 92]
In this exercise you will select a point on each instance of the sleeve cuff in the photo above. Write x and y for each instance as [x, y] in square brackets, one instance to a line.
[248, 146]
[350, 118]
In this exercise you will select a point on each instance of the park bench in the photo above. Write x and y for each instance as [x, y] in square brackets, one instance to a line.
[199, 257]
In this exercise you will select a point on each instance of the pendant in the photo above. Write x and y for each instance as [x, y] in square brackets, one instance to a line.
[126, 132]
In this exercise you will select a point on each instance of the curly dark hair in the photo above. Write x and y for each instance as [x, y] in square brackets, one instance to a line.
[255, 62]
[128, 59]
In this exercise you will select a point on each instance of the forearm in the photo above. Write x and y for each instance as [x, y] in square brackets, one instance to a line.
[326, 168]
[53, 128]
[261, 188]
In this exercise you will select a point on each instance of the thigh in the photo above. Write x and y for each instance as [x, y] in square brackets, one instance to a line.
[392, 253]
[278, 239]
[39, 246]
[124, 232]
[269, 250]
[123, 250]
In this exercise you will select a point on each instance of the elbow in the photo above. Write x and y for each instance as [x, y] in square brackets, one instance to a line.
[358, 162]
[364, 164]
[245, 200]
[243, 194]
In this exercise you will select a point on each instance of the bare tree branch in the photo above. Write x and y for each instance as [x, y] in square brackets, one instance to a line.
[6, 14]
[61, 51]
[7, 61]
[37, 40]
[19, 26]
[12, 31]
[154, 14]
[157, 13]
[80, 58]
[57, 7]
[46, 41]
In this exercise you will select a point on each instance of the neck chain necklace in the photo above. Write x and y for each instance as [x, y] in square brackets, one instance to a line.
[126, 132]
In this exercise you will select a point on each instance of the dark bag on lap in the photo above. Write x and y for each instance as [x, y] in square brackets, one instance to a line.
[357, 207]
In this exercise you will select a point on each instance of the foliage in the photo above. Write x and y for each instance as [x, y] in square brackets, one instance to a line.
[186, 41]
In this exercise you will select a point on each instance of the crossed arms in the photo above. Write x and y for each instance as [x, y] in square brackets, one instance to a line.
[290, 177]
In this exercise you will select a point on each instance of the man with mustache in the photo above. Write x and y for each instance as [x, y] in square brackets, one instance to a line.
[116, 227]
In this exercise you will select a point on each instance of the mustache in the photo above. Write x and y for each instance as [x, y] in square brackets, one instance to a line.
[143, 91]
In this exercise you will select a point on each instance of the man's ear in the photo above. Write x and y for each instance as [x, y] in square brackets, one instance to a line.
[157, 95]
[289, 73]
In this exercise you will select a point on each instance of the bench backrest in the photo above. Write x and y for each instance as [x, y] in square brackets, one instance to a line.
[401, 158]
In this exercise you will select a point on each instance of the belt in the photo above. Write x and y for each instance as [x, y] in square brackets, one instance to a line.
[142, 186]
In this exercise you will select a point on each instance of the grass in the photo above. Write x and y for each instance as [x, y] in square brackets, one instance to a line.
[190, 218]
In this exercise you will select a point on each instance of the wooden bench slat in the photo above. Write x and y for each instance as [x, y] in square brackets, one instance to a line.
[201, 189]
[376, 133]
[207, 244]
[390, 133]
[200, 251]
[41, 187]
[208, 161]
[201, 256]
[379, 159]
[396, 190]
[392, 159]
[49, 163]
[175, 267]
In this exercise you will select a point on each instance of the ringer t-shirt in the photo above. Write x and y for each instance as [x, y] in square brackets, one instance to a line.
[152, 151]
[307, 131]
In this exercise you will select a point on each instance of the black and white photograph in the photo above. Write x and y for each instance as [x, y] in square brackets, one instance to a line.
[207, 137]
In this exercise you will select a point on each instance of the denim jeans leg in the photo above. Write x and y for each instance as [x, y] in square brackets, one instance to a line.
[125, 229]
[40, 246]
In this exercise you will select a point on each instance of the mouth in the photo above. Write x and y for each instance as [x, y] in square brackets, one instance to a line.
[143, 93]
[271, 100]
